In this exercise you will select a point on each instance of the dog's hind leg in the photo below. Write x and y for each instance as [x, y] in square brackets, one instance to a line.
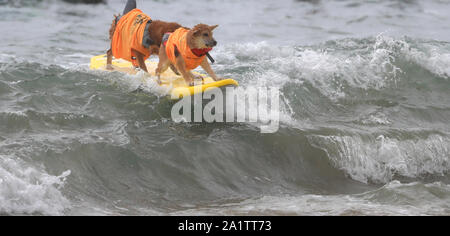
[163, 63]
[109, 60]
[140, 59]
[109, 53]
[162, 67]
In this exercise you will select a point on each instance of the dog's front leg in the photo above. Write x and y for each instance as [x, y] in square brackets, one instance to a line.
[181, 67]
[207, 67]
[174, 69]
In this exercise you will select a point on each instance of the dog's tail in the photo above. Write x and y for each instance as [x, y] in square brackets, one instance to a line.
[113, 26]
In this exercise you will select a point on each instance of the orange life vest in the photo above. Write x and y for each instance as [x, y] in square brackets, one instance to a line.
[178, 39]
[129, 34]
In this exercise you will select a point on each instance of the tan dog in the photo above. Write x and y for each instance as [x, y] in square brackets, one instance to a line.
[186, 49]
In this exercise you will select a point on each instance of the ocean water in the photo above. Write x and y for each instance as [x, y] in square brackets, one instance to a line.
[364, 123]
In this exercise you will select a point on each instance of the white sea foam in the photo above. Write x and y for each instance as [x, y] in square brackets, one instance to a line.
[330, 70]
[27, 190]
[375, 118]
[378, 160]
[432, 57]
[327, 71]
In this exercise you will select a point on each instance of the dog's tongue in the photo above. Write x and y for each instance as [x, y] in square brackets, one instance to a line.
[200, 51]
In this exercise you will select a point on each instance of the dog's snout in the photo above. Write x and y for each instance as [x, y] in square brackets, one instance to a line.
[211, 43]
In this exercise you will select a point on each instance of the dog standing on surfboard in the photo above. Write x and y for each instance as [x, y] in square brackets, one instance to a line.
[135, 36]
[186, 49]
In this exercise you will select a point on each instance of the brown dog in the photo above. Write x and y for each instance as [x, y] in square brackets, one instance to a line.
[186, 49]
[155, 32]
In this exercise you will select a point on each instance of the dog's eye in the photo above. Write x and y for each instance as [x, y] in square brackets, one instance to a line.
[205, 34]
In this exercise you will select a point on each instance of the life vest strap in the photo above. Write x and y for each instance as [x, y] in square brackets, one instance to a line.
[146, 39]
[210, 58]
[166, 38]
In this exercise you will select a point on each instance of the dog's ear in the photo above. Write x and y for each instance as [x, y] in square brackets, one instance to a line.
[213, 27]
[197, 31]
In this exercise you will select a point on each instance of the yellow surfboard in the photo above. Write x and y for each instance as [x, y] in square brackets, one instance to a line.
[174, 84]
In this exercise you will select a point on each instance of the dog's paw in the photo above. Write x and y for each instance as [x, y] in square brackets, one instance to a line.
[198, 77]
[109, 67]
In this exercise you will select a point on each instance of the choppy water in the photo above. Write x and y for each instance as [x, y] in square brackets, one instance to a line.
[365, 112]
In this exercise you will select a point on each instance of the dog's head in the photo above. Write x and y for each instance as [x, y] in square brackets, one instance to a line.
[202, 36]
